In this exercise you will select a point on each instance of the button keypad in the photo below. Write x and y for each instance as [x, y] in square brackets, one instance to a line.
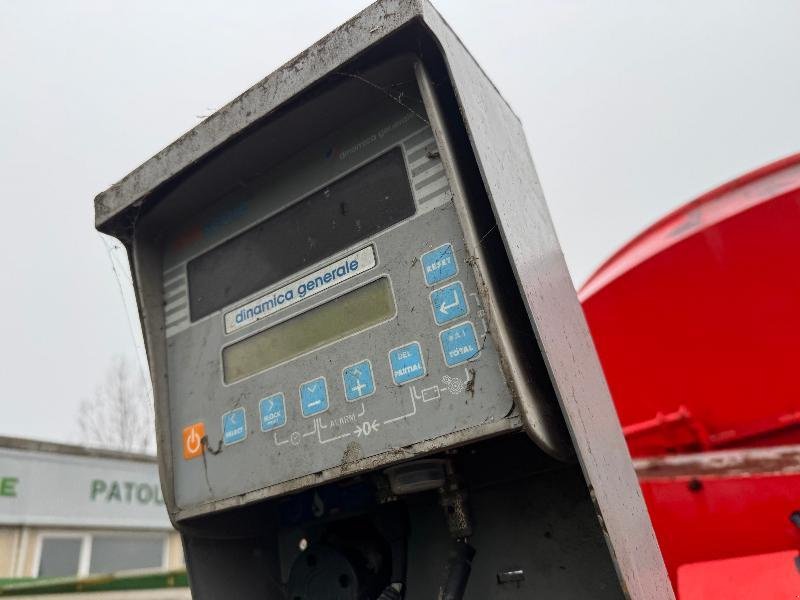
[358, 381]
[234, 426]
[272, 411]
[449, 303]
[439, 264]
[459, 344]
[406, 363]
[314, 397]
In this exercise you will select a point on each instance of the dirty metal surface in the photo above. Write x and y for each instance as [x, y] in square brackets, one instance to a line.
[724, 463]
[499, 146]
[734, 503]
[540, 413]
[509, 175]
[299, 73]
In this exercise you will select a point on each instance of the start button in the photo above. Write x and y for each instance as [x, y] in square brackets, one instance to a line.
[193, 440]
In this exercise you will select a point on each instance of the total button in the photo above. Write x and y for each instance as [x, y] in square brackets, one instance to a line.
[459, 344]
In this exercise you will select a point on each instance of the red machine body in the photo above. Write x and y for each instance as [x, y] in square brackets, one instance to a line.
[697, 324]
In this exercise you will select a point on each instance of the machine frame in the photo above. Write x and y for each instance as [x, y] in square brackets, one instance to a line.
[498, 147]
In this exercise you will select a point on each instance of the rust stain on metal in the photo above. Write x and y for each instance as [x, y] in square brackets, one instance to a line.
[751, 461]
[352, 453]
[471, 383]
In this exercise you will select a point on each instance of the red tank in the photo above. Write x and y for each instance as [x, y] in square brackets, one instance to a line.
[697, 324]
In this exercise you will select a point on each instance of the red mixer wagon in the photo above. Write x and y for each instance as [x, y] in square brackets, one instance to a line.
[697, 324]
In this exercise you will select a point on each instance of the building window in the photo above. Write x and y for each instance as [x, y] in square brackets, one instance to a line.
[66, 555]
[60, 556]
[111, 553]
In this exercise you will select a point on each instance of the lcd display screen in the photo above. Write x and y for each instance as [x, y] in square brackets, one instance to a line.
[353, 208]
[350, 313]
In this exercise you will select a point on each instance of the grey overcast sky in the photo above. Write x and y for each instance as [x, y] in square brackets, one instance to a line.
[631, 108]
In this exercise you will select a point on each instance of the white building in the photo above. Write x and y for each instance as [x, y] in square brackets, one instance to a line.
[69, 510]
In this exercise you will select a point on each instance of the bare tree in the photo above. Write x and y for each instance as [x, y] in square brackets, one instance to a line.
[119, 415]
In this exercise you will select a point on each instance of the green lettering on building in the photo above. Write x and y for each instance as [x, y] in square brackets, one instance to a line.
[126, 492]
[98, 487]
[8, 487]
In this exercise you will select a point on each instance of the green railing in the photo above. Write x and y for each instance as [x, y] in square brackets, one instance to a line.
[95, 583]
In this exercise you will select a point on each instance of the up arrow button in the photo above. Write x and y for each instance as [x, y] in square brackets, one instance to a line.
[449, 303]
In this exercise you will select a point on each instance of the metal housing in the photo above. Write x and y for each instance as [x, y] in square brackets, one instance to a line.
[497, 146]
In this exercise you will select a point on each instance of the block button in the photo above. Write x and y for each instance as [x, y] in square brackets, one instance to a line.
[439, 264]
[314, 397]
[406, 363]
[272, 411]
[234, 426]
[193, 440]
[449, 303]
[459, 344]
[358, 381]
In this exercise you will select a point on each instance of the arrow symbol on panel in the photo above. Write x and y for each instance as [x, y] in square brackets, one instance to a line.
[366, 428]
[445, 307]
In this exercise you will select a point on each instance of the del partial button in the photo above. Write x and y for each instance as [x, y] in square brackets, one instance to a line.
[449, 303]
[272, 411]
[314, 397]
[459, 344]
[234, 426]
[358, 381]
[439, 264]
[406, 363]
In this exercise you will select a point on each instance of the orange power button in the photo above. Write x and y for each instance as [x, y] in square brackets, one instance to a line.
[193, 440]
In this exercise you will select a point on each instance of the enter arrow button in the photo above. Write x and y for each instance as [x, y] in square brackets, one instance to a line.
[445, 307]
[449, 303]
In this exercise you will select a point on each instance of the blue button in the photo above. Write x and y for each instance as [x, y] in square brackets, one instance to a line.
[314, 397]
[407, 364]
[449, 303]
[234, 426]
[459, 344]
[439, 264]
[272, 411]
[358, 381]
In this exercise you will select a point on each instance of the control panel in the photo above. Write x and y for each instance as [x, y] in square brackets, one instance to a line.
[326, 313]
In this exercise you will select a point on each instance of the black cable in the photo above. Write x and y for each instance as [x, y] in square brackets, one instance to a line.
[457, 571]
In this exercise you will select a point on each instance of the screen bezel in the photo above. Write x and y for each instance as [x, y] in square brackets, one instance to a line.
[399, 198]
[319, 305]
